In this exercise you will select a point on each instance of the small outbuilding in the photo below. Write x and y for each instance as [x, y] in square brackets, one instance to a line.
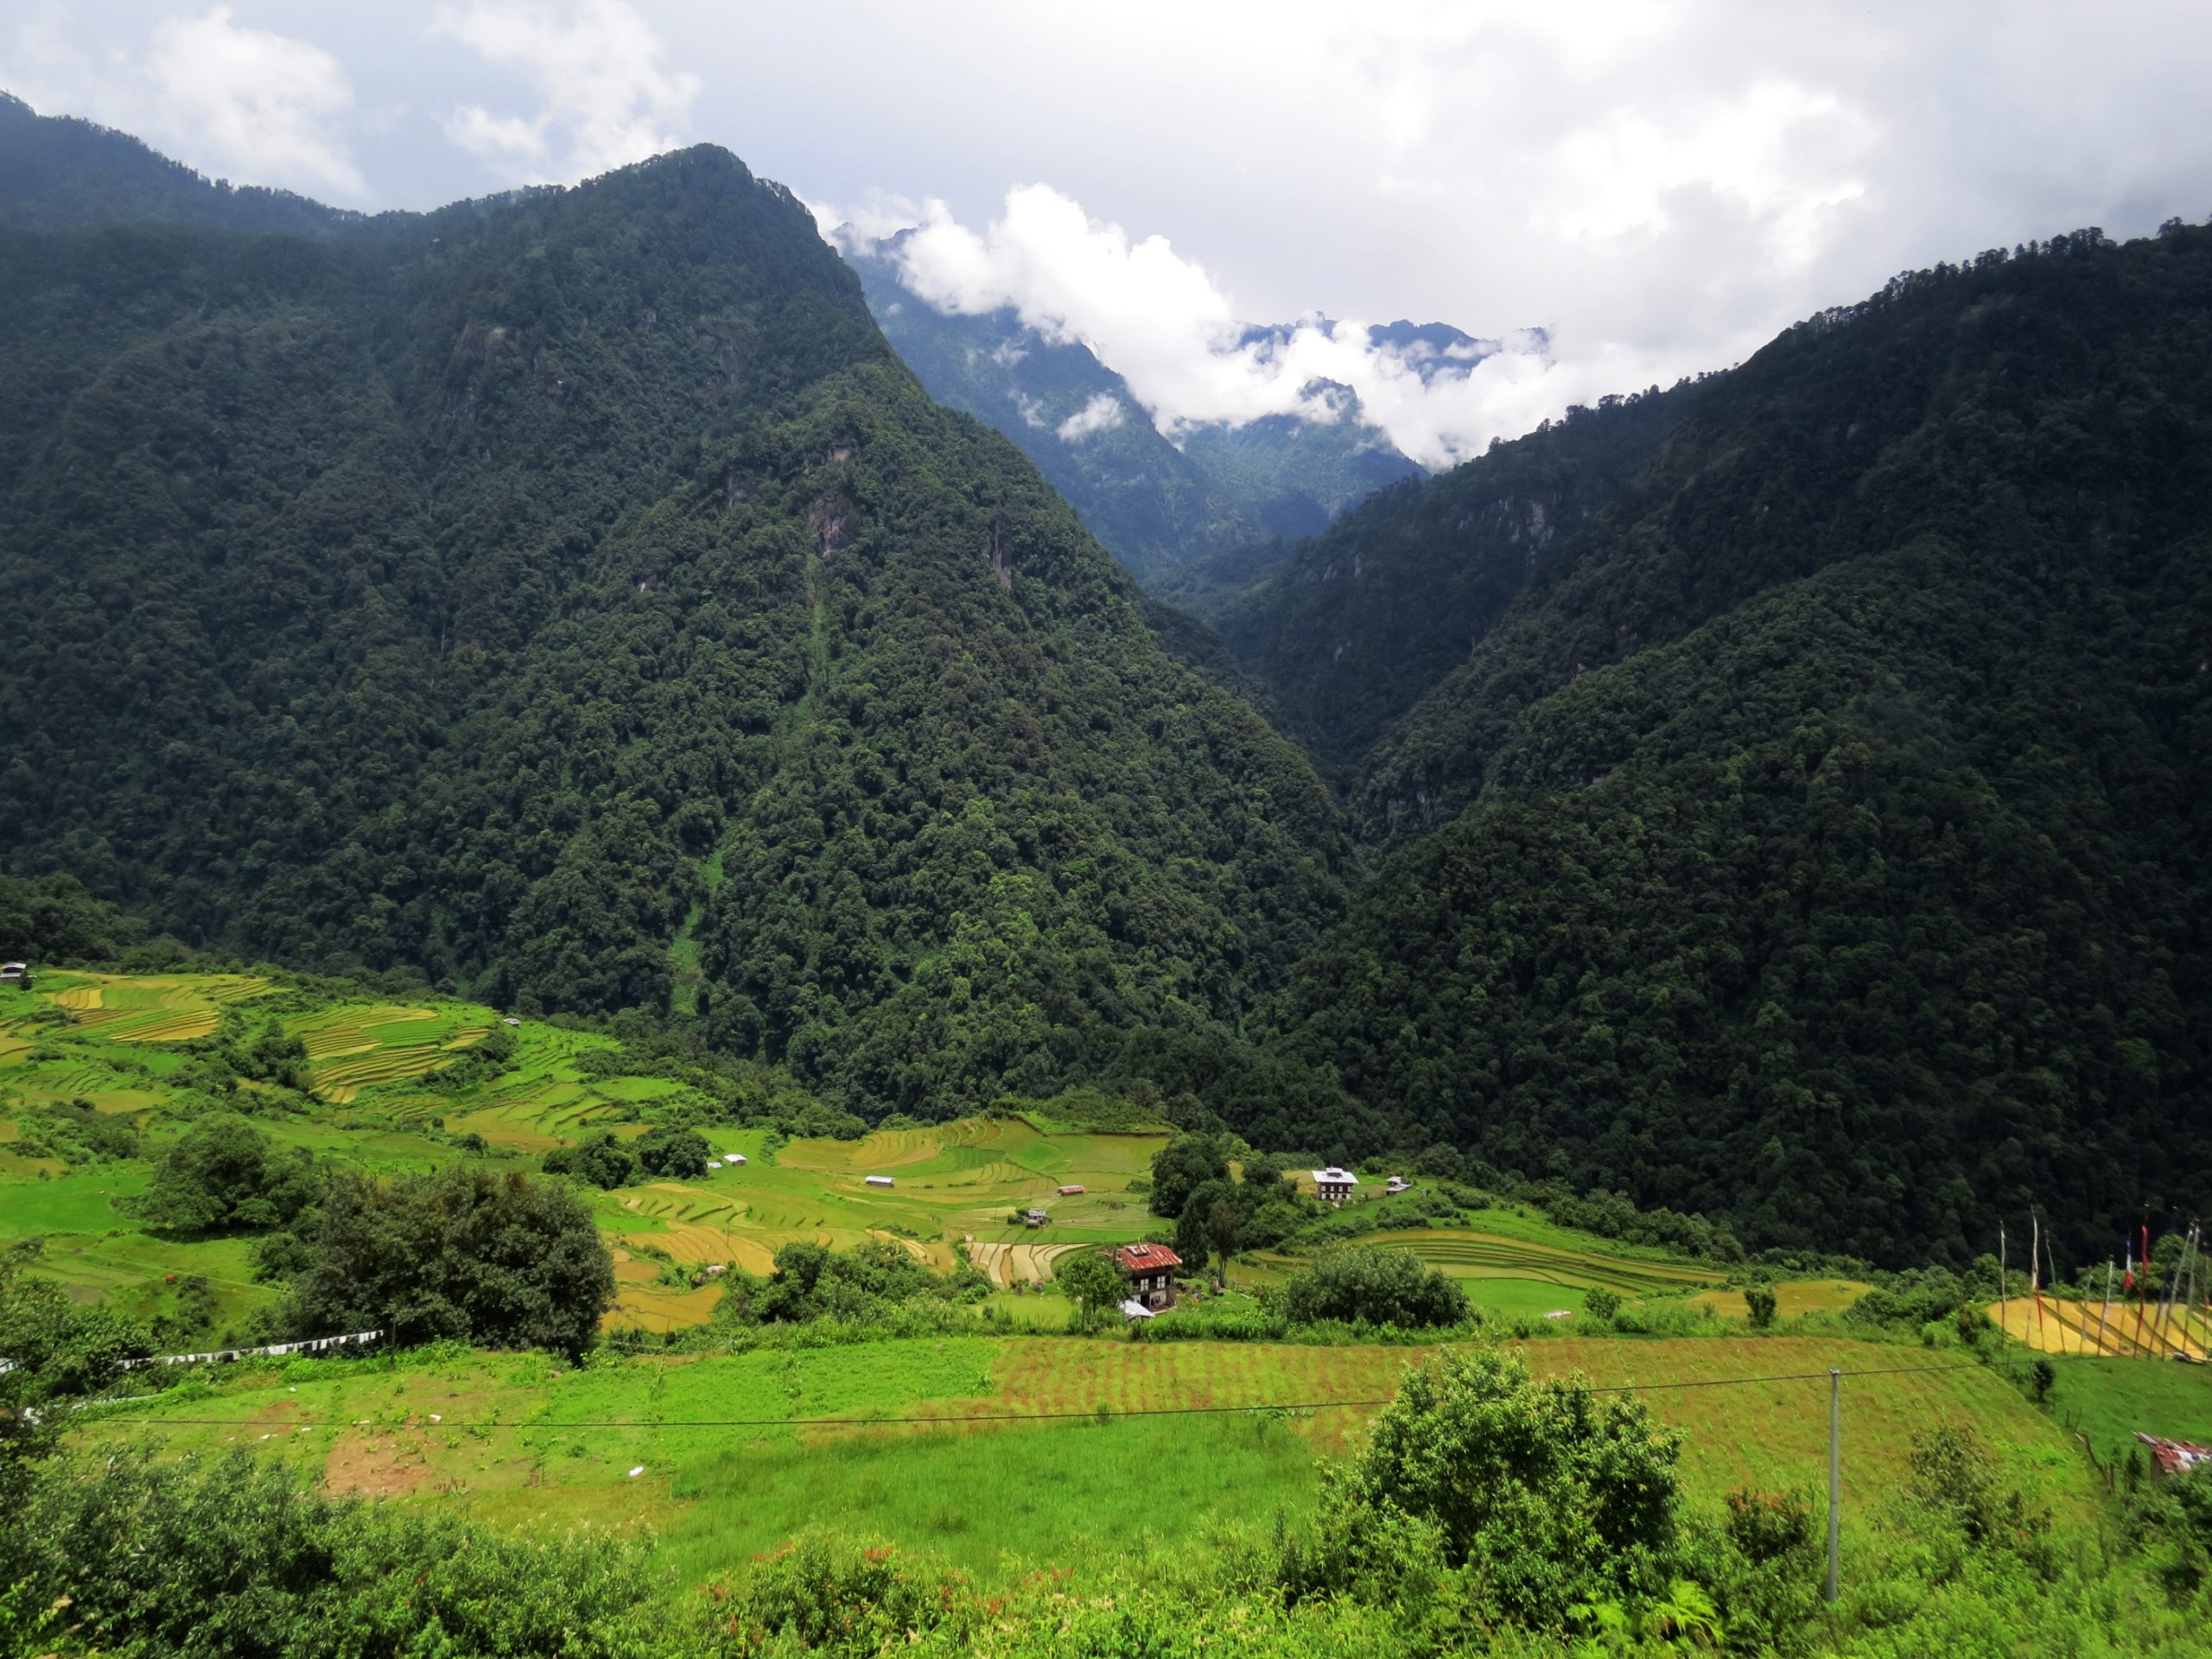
[733, 1158]
[1035, 1218]
[508, 1019]
[1334, 1184]
[14, 976]
[881, 1180]
[1069, 1192]
[1397, 1184]
[2174, 1457]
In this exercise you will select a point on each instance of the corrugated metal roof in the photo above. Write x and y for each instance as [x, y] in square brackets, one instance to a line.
[1146, 1258]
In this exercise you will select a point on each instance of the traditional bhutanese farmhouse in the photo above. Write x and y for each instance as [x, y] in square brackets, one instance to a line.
[1334, 1184]
[881, 1180]
[2174, 1456]
[1069, 1192]
[1150, 1270]
[1035, 1218]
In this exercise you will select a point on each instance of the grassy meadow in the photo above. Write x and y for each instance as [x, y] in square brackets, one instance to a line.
[724, 1468]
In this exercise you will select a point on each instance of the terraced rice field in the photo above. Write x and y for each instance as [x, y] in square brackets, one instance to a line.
[1009, 1265]
[1464, 1253]
[357, 1048]
[152, 1009]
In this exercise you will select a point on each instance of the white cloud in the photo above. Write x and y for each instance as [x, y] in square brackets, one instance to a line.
[1165, 325]
[1101, 413]
[605, 100]
[244, 98]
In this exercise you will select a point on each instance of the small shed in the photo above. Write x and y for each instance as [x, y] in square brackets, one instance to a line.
[733, 1158]
[1334, 1184]
[881, 1180]
[1397, 1184]
[15, 975]
[2174, 1457]
[508, 1019]
[1035, 1218]
[1069, 1192]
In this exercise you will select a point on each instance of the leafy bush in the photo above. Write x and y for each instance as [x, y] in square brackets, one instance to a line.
[602, 1160]
[674, 1151]
[1549, 1496]
[1356, 1283]
[500, 1260]
[224, 1173]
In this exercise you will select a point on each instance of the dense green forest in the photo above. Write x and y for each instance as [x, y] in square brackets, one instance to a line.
[1817, 832]
[1782, 797]
[562, 594]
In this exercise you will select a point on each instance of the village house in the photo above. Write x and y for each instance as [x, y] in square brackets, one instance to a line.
[1035, 1218]
[881, 1180]
[1150, 1269]
[1398, 1184]
[1069, 1192]
[733, 1158]
[1334, 1184]
[14, 976]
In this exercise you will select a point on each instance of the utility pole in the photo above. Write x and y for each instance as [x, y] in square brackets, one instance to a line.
[1835, 1481]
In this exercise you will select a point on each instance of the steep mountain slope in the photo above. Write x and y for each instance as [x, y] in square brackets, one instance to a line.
[572, 596]
[1822, 830]
[1361, 621]
[1158, 506]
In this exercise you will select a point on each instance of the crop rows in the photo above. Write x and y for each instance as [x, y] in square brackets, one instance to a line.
[1480, 1254]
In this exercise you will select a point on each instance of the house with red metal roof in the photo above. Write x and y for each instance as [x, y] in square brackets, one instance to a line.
[1150, 1269]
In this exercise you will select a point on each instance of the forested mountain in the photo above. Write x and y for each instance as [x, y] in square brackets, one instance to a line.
[1784, 796]
[570, 594]
[62, 173]
[1819, 829]
[1158, 506]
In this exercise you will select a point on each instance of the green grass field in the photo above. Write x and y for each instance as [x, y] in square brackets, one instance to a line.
[2111, 1401]
[529, 1443]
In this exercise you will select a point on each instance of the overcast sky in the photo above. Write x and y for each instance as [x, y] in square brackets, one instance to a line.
[1661, 187]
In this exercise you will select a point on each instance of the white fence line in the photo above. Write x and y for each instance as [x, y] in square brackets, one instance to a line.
[313, 1346]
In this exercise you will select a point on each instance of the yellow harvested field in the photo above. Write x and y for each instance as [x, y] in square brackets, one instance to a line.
[2123, 1331]
[1012, 1264]
[1791, 1299]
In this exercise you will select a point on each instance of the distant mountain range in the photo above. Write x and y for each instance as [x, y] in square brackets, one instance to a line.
[1166, 509]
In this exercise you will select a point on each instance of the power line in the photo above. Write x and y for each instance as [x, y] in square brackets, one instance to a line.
[1093, 1415]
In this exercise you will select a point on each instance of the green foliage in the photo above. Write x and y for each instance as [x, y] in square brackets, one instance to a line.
[868, 1284]
[223, 1173]
[1180, 1167]
[462, 1253]
[1092, 1282]
[599, 1159]
[1361, 1284]
[1548, 1497]
[1602, 1304]
[234, 1557]
[667, 1151]
[1759, 1300]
